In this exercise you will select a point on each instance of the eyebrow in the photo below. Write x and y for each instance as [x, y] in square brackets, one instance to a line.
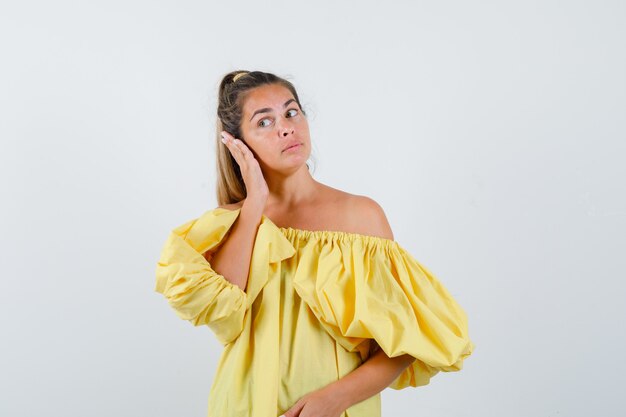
[267, 109]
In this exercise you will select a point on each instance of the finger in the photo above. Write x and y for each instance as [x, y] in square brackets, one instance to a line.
[245, 151]
[245, 154]
[236, 154]
[240, 143]
[296, 409]
[231, 140]
[226, 135]
[235, 151]
[242, 159]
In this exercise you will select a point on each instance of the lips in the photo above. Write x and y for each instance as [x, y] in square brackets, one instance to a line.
[291, 145]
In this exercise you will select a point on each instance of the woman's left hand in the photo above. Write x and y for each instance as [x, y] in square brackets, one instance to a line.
[319, 403]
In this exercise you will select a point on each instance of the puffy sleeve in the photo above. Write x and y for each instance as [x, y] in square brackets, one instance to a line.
[192, 288]
[371, 294]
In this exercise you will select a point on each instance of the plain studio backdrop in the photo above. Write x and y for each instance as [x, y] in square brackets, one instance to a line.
[492, 134]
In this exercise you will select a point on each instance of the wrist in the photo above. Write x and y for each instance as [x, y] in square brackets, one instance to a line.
[340, 393]
[254, 206]
[252, 211]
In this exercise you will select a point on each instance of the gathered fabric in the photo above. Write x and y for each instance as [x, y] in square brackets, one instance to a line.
[317, 304]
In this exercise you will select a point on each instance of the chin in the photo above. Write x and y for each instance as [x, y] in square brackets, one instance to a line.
[293, 166]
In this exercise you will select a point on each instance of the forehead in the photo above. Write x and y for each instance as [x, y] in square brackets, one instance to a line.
[272, 95]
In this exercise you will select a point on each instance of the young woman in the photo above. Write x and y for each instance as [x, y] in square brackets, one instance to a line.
[317, 307]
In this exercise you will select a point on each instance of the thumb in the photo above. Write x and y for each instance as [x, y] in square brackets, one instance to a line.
[294, 411]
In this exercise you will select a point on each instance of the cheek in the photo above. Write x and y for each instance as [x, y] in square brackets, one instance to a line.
[258, 151]
[255, 136]
[304, 124]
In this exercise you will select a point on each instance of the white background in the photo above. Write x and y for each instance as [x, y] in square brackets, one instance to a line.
[491, 132]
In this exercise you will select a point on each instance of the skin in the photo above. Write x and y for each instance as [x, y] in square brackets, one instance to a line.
[278, 180]
[280, 186]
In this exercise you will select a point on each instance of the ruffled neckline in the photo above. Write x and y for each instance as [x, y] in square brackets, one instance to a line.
[334, 235]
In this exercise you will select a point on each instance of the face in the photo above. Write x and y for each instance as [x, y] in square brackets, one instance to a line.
[272, 121]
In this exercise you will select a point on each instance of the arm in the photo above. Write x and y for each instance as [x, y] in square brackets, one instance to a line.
[379, 370]
[196, 291]
[373, 376]
[232, 259]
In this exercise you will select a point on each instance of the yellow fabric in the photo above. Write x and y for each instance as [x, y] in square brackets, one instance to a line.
[317, 304]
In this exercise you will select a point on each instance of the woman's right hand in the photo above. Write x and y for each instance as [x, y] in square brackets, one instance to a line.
[256, 186]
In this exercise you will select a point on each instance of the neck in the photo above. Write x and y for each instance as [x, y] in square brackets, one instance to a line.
[291, 190]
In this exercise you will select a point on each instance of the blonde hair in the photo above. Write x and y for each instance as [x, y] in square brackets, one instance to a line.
[232, 93]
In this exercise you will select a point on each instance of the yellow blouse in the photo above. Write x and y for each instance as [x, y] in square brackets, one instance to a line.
[317, 304]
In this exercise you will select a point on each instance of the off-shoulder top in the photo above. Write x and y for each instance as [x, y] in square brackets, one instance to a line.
[316, 306]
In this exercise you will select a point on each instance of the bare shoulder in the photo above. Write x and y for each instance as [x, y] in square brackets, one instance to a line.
[369, 216]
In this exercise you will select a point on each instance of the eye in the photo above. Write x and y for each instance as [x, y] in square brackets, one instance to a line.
[295, 112]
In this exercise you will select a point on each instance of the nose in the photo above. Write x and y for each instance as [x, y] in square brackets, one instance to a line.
[285, 128]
